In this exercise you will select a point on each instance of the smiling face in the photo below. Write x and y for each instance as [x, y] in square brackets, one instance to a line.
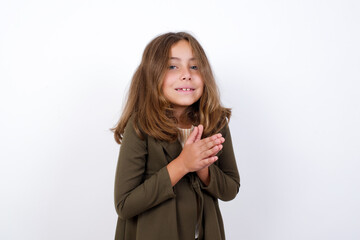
[182, 85]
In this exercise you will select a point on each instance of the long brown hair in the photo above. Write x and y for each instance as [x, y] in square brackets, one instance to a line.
[152, 113]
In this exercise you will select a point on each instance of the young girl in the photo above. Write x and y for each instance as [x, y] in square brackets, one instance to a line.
[176, 157]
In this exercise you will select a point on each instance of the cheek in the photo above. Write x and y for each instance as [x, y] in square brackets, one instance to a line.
[202, 86]
[165, 88]
[168, 80]
[200, 79]
[201, 92]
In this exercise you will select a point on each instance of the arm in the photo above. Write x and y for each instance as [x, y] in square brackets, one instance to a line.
[134, 194]
[204, 176]
[224, 180]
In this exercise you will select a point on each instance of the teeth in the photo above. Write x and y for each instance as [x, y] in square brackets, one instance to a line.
[184, 89]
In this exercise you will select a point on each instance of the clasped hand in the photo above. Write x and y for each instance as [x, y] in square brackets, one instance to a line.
[200, 153]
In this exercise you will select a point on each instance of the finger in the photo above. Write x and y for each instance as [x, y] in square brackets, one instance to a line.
[216, 152]
[209, 143]
[200, 132]
[212, 138]
[208, 161]
[193, 135]
[211, 152]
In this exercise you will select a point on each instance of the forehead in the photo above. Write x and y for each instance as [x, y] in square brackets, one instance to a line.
[181, 50]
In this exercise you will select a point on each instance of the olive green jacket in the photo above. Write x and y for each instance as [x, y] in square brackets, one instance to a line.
[149, 208]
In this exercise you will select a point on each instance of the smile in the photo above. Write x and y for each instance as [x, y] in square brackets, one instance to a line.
[184, 89]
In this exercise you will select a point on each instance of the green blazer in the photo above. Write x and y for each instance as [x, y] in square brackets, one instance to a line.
[149, 208]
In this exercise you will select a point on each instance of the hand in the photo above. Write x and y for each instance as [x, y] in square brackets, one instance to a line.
[200, 153]
[198, 137]
[203, 173]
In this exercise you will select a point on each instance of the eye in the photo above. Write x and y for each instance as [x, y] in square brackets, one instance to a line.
[172, 67]
[194, 67]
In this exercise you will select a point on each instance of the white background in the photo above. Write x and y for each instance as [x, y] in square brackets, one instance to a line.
[289, 69]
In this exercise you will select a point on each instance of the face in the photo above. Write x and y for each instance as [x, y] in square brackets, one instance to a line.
[182, 85]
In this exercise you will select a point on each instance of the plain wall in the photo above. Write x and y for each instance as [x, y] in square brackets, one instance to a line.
[289, 70]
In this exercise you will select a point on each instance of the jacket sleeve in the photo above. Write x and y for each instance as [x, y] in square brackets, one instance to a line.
[224, 176]
[134, 194]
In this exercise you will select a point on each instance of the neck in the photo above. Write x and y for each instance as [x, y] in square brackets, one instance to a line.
[182, 121]
[184, 125]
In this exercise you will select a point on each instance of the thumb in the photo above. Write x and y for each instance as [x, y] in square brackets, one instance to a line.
[193, 136]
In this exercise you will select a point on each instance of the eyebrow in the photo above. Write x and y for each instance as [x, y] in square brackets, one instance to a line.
[176, 58]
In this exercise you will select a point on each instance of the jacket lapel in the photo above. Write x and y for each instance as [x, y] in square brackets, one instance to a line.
[173, 149]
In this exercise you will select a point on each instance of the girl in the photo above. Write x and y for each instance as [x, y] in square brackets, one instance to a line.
[176, 157]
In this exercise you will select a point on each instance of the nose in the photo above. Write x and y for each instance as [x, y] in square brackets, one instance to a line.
[185, 75]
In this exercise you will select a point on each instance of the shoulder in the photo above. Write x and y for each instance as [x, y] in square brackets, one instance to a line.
[132, 132]
[225, 129]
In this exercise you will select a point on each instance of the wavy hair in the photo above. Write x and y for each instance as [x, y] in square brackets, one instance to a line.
[152, 113]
